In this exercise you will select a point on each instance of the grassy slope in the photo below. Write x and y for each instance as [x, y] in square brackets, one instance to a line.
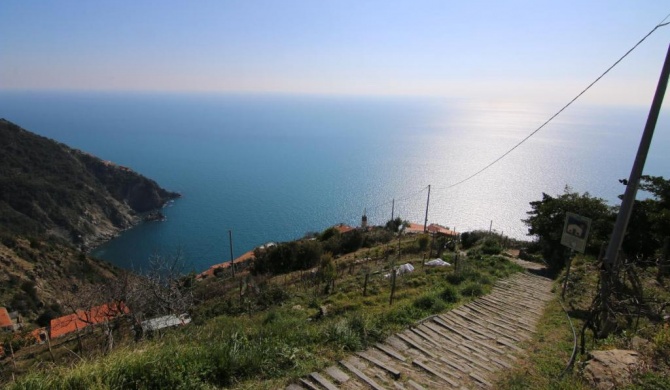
[269, 348]
[551, 347]
[54, 201]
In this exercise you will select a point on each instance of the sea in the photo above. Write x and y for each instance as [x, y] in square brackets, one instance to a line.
[274, 167]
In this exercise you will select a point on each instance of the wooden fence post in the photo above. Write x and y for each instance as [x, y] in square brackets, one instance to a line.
[365, 285]
[393, 276]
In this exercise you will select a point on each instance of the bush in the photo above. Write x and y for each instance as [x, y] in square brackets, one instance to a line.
[424, 302]
[423, 242]
[449, 295]
[472, 289]
[469, 239]
[455, 278]
[341, 334]
[271, 295]
[429, 303]
[491, 247]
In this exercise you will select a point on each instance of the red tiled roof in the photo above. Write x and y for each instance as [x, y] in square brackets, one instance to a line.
[210, 271]
[76, 321]
[414, 228]
[432, 228]
[342, 228]
[5, 321]
[435, 228]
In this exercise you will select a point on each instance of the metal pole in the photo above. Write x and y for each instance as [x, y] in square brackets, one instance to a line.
[425, 222]
[638, 166]
[628, 201]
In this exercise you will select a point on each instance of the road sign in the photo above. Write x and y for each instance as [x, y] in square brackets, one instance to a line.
[575, 232]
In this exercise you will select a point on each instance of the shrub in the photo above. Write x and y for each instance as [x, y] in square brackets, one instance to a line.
[491, 247]
[449, 295]
[472, 289]
[455, 278]
[424, 302]
[468, 239]
[423, 242]
[429, 303]
[341, 334]
[272, 295]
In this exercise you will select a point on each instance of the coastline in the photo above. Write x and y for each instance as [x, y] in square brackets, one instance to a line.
[100, 238]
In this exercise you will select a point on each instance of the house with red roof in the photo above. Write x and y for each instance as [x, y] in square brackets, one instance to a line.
[9, 321]
[441, 230]
[342, 228]
[433, 228]
[5, 321]
[79, 320]
[241, 263]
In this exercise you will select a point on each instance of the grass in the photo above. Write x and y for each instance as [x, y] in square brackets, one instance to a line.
[548, 354]
[271, 347]
[550, 348]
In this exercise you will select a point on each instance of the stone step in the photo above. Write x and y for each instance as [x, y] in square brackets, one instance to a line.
[462, 349]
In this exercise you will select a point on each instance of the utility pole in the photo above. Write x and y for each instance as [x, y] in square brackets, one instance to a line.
[425, 222]
[232, 265]
[392, 208]
[610, 260]
[490, 227]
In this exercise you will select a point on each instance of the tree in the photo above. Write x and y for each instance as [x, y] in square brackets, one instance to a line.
[649, 225]
[423, 242]
[547, 217]
[327, 271]
[394, 225]
[308, 254]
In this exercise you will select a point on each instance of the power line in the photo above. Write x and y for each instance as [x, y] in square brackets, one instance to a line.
[398, 199]
[661, 24]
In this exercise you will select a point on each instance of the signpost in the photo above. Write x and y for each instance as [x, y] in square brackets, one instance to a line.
[575, 233]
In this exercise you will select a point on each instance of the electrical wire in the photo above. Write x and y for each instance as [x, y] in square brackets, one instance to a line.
[661, 24]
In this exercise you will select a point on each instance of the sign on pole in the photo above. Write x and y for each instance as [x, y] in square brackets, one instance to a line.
[575, 232]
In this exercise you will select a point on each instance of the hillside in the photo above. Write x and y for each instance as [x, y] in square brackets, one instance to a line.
[55, 202]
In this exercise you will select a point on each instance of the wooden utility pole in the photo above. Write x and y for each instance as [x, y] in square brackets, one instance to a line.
[232, 265]
[611, 254]
[425, 222]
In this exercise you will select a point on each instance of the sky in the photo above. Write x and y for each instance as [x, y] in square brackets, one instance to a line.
[532, 49]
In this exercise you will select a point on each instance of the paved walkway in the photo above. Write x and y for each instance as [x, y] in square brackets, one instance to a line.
[463, 348]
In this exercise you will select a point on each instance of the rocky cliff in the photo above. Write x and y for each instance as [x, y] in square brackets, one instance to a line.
[47, 188]
[56, 202]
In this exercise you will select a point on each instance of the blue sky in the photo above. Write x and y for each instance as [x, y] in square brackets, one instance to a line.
[477, 49]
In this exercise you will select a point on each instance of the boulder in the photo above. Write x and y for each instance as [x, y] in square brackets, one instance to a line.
[611, 369]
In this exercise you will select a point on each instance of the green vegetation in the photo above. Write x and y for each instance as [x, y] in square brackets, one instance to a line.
[551, 346]
[55, 202]
[47, 188]
[648, 231]
[302, 304]
[638, 303]
[281, 327]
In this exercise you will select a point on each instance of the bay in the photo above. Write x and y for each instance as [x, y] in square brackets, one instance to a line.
[273, 167]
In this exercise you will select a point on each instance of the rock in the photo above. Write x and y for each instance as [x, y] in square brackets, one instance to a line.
[297, 307]
[642, 345]
[611, 369]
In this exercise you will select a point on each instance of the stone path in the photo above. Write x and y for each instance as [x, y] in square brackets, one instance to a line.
[463, 348]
